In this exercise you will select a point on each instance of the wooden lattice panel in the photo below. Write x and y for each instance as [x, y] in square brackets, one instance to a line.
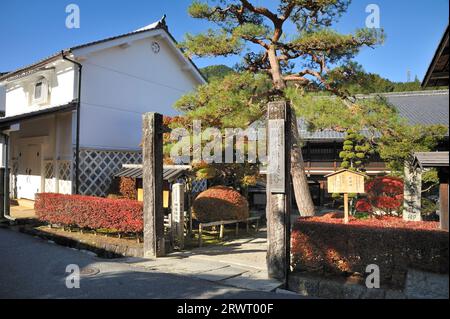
[14, 169]
[64, 180]
[49, 183]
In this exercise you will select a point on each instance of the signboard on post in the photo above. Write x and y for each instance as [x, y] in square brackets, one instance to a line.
[276, 166]
[346, 182]
[178, 214]
[278, 190]
[412, 194]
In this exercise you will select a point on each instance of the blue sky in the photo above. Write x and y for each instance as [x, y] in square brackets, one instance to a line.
[31, 30]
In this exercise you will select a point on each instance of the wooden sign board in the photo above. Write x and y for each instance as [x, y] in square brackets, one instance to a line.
[346, 181]
[178, 214]
[276, 165]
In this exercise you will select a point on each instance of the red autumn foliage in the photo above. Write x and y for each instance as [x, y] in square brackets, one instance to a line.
[127, 187]
[89, 212]
[384, 193]
[363, 205]
[220, 203]
[327, 246]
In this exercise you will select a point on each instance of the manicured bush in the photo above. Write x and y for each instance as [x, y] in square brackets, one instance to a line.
[90, 212]
[326, 246]
[127, 187]
[219, 203]
[383, 194]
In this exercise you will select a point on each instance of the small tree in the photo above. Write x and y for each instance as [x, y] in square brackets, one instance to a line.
[384, 195]
[356, 151]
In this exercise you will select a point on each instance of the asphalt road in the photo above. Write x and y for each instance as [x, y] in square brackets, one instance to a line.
[34, 268]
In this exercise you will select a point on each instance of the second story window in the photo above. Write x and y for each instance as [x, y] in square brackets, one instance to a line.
[40, 92]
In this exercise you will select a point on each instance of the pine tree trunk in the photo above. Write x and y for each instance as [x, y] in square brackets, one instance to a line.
[299, 181]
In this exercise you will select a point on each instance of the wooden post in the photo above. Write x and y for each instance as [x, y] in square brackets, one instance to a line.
[346, 208]
[237, 229]
[443, 198]
[200, 239]
[278, 190]
[152, 152]
[222, 230]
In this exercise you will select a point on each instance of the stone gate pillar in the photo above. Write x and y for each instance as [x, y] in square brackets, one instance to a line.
[412, 194]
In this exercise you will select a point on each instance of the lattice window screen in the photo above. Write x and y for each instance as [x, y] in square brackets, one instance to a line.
[14, 169]
[49, 184]
[65, 183]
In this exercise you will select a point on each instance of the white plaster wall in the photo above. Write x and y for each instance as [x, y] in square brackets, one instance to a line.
[121, 84]
[2, 98]
[61, 84]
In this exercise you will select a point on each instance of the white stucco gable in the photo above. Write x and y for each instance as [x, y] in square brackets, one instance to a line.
[126, 76]
[123, 77]
[156, 30]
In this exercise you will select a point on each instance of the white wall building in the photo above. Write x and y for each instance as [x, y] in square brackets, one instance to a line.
[52, 118]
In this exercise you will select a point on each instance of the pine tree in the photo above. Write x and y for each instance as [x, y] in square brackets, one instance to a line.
[356, 151]
[301, 59]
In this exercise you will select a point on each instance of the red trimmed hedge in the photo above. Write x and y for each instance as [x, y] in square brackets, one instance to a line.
[90, 212]
[328, 247]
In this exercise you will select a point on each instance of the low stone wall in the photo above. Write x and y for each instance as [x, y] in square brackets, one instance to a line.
[418, 285]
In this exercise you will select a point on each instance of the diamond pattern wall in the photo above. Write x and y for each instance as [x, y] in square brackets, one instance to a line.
[199, 186]
[97, 168]
[14, 169]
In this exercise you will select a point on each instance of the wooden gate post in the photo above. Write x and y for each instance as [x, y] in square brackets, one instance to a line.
[443, 197]
[152, 153]
[278, 210]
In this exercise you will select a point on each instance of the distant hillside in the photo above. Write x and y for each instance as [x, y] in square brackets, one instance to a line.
[361, 83]
[216, 71]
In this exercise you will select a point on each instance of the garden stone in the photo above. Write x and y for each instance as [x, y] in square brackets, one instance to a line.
[330, 289]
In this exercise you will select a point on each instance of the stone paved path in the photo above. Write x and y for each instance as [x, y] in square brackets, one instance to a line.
[240, 263]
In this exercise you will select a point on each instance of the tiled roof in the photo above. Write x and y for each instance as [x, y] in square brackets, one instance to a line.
[317, 135]
[437, 73]
[170, 172]
[421, 107]
[431, 159]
